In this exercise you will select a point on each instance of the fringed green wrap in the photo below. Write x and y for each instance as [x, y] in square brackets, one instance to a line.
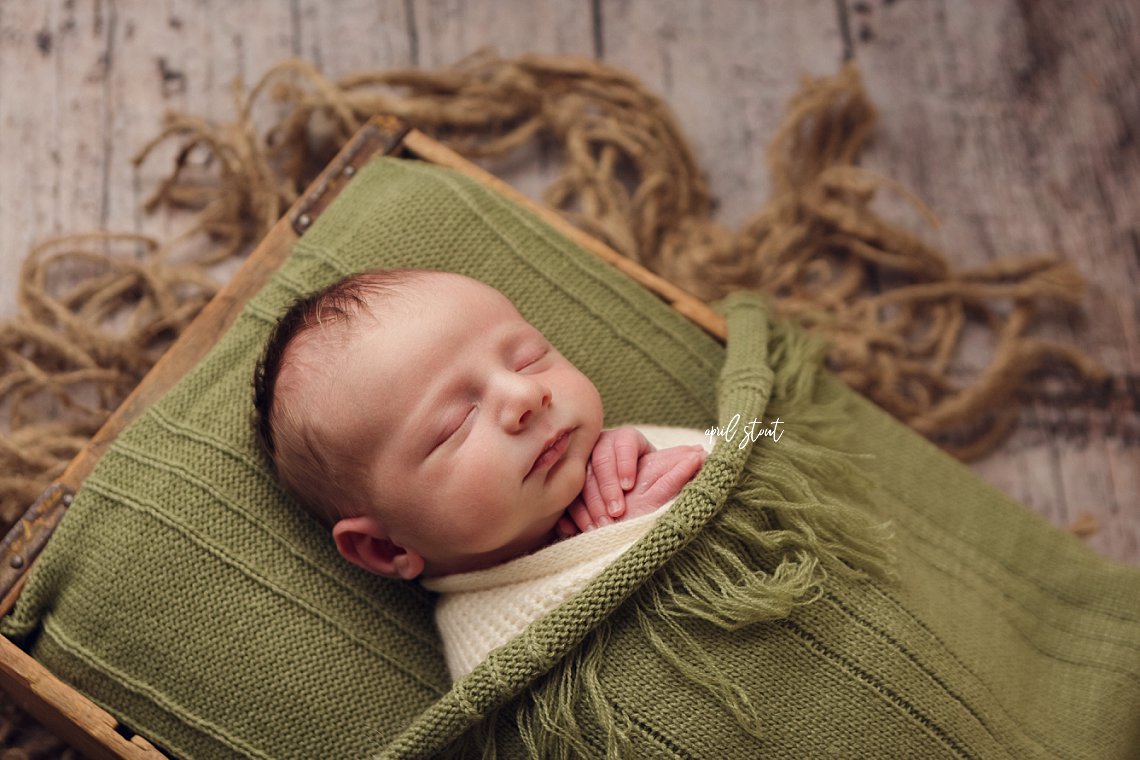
[757, 534]
[845, 591]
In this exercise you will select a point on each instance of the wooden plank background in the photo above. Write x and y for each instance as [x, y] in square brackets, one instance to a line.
[1016, 120]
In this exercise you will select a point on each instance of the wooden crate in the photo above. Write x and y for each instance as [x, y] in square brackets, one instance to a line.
[72, 716]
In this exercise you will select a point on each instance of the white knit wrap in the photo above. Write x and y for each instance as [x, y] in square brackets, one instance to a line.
[482, 610]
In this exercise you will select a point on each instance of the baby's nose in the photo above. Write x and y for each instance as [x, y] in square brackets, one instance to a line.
[525, 397]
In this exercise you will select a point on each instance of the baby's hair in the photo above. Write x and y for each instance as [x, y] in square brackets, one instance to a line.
[301, 465]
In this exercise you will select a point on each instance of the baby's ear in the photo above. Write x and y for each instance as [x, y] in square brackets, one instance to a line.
[364, 542]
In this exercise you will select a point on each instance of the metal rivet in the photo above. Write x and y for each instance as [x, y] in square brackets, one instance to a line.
[349, 170]
[16, 562]
[304, 220]
[67, 499]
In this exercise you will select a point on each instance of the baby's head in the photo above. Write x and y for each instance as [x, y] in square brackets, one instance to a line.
[425, 421]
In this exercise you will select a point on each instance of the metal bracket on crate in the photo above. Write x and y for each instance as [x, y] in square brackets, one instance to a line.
[28, 536]
[380, 136]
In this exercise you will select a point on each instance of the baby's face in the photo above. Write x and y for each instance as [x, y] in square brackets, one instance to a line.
[475, 430]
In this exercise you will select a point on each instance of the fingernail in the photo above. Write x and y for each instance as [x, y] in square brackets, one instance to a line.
[626, 484]
[603, 521]
[588, 528]
[614, 508]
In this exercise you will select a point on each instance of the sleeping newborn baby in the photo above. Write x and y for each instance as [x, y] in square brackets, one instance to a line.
[441, 436]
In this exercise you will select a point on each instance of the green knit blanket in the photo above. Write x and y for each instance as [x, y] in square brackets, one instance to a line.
[767, 614]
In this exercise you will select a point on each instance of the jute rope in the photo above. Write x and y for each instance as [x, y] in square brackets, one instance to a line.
[628, 176]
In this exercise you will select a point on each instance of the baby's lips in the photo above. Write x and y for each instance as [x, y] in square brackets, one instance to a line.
[560, 440]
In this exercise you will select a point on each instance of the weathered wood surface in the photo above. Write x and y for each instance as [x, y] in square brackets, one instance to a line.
[1016, 121]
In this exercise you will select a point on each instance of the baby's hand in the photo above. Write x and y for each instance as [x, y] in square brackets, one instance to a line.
[660, 476]
[611, 472]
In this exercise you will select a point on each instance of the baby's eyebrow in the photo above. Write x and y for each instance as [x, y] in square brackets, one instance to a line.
[515, 336]
[532, 331]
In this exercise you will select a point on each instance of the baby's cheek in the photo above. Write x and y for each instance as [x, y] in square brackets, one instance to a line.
[482, 498]
[482, 481]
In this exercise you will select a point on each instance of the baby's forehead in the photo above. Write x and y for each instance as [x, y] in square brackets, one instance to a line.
[459, 298]
[458, 302]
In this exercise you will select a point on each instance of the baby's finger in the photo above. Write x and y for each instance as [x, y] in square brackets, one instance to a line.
[628, 448]
[609, 497]
[657, 463]
[599, 508]
[675, 477]
[566, 527]
[580, 516]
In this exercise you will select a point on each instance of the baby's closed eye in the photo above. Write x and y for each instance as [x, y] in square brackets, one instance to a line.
[531, 357]
[452, 427]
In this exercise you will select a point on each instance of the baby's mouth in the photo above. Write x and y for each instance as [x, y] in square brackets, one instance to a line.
[552, 452]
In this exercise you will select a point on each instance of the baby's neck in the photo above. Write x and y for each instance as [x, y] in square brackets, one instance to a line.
[471, 563]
